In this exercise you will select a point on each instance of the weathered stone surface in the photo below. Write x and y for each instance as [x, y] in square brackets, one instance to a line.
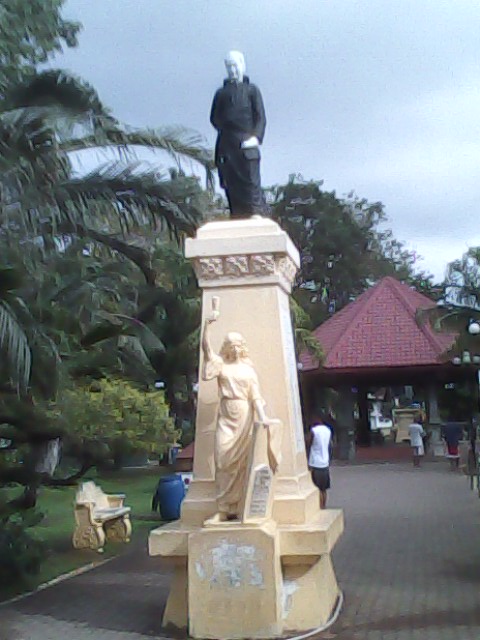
[268, 571]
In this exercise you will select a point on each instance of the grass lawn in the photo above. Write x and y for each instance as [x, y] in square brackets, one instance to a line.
[56, 528]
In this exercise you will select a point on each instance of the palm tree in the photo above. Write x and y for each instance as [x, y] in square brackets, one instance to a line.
[79, 278]
[43, 204]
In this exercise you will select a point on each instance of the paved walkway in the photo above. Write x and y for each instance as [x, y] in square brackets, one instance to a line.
[409, 565]
[409, 561]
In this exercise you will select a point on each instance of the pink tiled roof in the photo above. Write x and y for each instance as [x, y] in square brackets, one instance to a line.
[379, 329]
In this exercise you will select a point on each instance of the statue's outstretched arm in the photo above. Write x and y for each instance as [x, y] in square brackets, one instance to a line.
[208, 352]
[209, 356]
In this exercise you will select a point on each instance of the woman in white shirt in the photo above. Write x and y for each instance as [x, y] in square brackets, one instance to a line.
[416, 433]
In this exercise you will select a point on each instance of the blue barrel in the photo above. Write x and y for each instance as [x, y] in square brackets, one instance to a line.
[170, 493]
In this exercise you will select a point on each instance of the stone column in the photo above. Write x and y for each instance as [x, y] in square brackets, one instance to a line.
[346, 424]
[263, 575]
[250, 266]
[434, 421]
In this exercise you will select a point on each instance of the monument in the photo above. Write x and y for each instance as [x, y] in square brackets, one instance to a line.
[251, 551]
[238, 116]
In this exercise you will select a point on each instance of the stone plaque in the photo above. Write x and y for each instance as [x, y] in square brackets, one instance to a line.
[261, 491]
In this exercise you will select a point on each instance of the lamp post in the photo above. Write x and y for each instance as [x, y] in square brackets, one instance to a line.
[468, 359]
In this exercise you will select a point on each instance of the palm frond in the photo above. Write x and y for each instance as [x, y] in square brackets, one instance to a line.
[447, 318]
[300, 317]
[149, 341]
[38, 109]
[304, 338]
[135, 196]
[56, 88]
[306, 341]
[180, 143]
[13, 341]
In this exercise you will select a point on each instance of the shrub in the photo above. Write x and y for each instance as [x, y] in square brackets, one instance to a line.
[20, 554]
[116, 414]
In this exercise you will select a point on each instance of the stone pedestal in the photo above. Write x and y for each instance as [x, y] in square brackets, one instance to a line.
[286, 568]
[234, 572]
[282, 555]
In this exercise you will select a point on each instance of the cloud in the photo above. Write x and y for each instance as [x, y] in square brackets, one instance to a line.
[377, 97]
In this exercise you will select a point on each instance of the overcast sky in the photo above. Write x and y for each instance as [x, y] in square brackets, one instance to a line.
[381, 97]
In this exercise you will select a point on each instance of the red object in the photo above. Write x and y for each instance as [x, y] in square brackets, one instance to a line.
[380, 330]
[187, 453]
[452, 449]
[184, 461]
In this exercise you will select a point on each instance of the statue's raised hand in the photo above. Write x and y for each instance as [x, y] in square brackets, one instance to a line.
[212, 318]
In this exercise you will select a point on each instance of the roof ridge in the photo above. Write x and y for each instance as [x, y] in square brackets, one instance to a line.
[398, 290]
[367, 295]
[380, 328]
[343, 312]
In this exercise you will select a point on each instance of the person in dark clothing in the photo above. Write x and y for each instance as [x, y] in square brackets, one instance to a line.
[238, 115]
[452, 433]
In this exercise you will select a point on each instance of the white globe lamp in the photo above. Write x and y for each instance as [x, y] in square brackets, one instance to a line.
[474, 328]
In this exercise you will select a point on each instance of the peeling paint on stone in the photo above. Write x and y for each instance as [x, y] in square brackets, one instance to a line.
[232, 565]
[200, 570]
[289, 588]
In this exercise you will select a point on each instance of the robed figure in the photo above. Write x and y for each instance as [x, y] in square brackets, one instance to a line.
[238, 116]
[241, 406]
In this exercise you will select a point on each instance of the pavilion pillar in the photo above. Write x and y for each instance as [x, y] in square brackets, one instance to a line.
[433, 414]
[346, 424]
[364, 433]
[434, 420]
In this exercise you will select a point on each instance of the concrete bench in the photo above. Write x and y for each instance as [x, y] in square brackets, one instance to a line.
[99, 517]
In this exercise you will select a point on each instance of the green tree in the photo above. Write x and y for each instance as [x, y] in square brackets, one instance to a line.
[343, 249]
[73, 244]
[31, 31]
[462, 280]
[116, 415]
[458, 303]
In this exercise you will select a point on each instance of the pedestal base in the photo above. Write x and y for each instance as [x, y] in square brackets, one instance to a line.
[247, 581]
[270, 574]
[235, 583]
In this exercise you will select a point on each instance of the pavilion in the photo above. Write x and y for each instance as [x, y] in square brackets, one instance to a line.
[378, 341]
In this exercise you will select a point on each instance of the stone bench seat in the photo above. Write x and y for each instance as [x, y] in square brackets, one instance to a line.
[99, 517]
[112, 512]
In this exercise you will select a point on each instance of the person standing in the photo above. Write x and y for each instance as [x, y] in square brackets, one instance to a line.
[452, 433]
[319, 457]
[416, 433]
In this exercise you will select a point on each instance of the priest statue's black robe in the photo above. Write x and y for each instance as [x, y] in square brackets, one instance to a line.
[238, 114]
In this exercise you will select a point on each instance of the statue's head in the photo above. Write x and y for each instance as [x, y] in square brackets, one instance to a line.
[234, 347]
[235, 64]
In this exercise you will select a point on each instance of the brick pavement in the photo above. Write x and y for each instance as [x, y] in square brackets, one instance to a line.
[409, 565]
[409, 561]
